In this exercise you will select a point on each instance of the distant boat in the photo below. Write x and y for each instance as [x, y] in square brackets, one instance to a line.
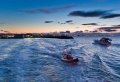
[103, 41]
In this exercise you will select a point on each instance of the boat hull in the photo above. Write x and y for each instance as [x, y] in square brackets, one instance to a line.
[101, 43]
[72, 61]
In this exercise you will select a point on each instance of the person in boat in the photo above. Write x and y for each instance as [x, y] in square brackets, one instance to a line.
[67, 55]
[105, 40]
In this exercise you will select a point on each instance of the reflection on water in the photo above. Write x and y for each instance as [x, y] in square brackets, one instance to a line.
[38, 60]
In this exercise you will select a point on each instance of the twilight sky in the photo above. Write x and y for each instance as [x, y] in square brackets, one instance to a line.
[58, 15]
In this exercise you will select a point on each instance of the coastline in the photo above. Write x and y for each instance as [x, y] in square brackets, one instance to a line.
[56, 35]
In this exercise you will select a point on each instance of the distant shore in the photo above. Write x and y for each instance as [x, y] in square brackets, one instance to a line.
[22, 36]
[55, 35]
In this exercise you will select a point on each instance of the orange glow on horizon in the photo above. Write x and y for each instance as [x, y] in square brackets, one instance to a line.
[47, 29]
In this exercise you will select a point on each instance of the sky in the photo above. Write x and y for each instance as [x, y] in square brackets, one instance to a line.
[37, 16]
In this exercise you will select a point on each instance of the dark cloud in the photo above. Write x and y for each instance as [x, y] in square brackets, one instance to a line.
[109, 29]
[69, 21]
[49, 10]
[66, 22]
[61, 23]
[103, 14]
[110, 16]
[48, 21]
[95, 24]
[96, 13]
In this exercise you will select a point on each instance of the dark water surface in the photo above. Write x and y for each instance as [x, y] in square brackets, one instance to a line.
[38, 60]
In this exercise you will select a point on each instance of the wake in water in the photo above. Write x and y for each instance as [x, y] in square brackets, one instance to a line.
[39, 60]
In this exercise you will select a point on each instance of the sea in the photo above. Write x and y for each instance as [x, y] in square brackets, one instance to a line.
[39, 60]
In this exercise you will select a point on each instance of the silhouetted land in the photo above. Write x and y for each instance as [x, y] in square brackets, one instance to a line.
[64, 35]
[22, 36]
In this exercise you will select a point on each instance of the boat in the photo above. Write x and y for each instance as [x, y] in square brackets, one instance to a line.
[103, 41]
[71, 61]
[67, 57]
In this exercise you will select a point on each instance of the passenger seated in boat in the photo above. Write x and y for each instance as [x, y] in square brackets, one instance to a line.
[67, 55]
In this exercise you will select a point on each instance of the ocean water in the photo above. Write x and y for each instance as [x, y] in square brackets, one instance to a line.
[39, 60]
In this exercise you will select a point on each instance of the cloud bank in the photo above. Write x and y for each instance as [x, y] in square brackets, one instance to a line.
[102, 14]
[109, 29]
[48, 21]
[94, 24]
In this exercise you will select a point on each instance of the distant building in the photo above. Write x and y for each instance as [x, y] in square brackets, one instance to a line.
[67, 31]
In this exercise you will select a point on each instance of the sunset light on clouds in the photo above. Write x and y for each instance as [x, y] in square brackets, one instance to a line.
[36, 16]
